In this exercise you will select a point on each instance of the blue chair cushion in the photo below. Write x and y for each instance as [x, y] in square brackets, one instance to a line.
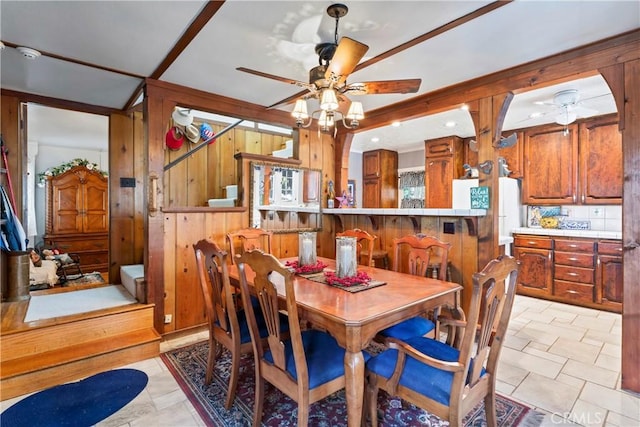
[424, 379]
[410, 328]
[325, 358]
[245, 335]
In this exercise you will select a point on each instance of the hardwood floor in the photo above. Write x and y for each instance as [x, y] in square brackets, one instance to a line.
[43, 353]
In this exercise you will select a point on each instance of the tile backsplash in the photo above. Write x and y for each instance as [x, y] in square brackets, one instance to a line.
[600, 217]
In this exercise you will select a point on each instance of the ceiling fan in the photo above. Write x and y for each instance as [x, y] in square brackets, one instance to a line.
[567, 106]
[336, 60]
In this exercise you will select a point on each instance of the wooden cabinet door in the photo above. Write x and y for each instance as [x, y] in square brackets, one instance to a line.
[535, 276]
[609, 281]
[600, 162]
[66, 208]
[550, 175]
[95, 205]
[371, 164]
[371, 193]
[438, 182]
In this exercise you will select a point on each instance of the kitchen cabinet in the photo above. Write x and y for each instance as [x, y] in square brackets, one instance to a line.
[551, 165]
[609, 275]
[573, 276]
[77, 216]
[600, 161]
[579, 271]
[536, 265]
[380, 179]
[579, 164]
[443, 164]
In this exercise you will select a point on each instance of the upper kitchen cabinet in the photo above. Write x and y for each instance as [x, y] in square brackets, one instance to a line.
[582, 167]
[443, 164]
[551, 165]
[600, 161]
[380, 179]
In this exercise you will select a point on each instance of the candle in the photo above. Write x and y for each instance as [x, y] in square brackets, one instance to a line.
[344, 256]
[307, 248]
[306, 251]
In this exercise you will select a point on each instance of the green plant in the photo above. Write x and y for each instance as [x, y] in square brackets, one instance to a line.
[57, 170]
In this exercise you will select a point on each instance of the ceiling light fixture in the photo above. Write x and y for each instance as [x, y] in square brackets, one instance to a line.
[328, 113]
[396, 124]
[28, 53]
[450, 124]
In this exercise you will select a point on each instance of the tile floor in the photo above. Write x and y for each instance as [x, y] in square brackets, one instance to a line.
[562, 360]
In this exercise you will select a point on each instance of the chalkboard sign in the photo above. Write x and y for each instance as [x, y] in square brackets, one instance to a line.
[479, 197]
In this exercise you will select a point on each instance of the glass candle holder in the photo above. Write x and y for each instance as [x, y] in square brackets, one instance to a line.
[307, 248]
[346, 256]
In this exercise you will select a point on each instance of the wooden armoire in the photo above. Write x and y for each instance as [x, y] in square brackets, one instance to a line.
[77, 216]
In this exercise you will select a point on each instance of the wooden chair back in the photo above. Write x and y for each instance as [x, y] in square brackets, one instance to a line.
[220, 310]
[366, 242]
[274, 362]
[474, 370]
[419, 252]
[249, 239]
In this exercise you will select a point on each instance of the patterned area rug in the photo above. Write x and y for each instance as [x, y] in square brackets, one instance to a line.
[188, 365]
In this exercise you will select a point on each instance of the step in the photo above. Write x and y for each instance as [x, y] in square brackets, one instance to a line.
[50, 359]
[30, 374]
[64, 333]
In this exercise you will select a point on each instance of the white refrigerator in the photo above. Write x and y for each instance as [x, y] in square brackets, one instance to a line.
[510, 209]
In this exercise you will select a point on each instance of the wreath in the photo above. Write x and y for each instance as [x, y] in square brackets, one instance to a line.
[306, 269]
[57, 170]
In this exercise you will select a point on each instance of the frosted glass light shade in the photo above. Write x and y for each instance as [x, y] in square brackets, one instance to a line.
[325, 120]
[300, 110]
[328, 101]
[356, 112]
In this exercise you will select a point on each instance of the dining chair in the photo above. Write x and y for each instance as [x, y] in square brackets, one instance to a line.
[414, 254]
[248, 239]
[228, 326]
[306, 366]
[449, 381]
[365, 247]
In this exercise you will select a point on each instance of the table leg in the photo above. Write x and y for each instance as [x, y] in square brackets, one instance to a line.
[354, 389]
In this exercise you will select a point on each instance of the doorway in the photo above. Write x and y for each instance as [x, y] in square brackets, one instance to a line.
[56, 139]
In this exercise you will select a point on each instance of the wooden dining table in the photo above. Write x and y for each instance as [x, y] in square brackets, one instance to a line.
[353, 319]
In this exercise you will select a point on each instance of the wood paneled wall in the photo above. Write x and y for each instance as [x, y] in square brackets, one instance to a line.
[204, 175]
[127, 158]
[184, 226]
[462, 255]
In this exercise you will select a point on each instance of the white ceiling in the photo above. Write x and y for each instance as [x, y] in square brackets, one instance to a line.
[98, 52]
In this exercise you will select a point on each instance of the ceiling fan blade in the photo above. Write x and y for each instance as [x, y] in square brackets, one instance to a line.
[288, 100]
[348, 53]
[383, 86]
[584, 111]
[274, 77]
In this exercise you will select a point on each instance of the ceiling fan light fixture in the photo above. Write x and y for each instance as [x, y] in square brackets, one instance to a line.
[326, 121]
[328, 100]
[566, 118]
[300, 111]
[356, 112]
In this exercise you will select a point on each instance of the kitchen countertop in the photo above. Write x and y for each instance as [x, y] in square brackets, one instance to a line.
[406, 212]
[593, 234]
